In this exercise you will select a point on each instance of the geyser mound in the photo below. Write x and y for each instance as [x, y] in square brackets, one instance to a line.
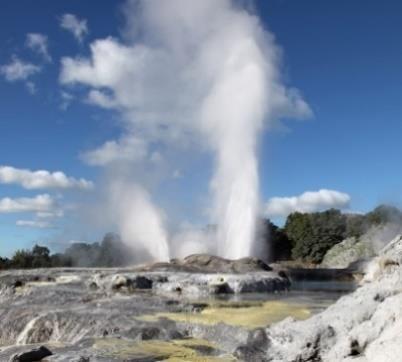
[206, 263]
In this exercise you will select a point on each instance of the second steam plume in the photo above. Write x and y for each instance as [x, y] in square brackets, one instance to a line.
[202, 73]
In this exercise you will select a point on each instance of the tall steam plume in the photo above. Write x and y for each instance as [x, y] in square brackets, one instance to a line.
[201, 74]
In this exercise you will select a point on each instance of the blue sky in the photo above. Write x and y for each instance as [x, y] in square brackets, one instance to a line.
[345, 57]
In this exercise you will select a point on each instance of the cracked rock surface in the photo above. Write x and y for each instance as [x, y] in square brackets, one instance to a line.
[95, 314]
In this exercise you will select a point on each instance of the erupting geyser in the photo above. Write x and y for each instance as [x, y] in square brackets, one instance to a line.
[232, 116]
[201, 74]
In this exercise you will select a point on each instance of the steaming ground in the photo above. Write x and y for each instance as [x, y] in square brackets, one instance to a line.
[187, 77]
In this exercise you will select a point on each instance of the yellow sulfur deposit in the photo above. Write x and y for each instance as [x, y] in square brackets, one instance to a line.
[249, 315]
[175, 350]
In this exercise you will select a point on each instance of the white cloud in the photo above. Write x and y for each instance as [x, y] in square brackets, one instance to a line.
[177, 174]
[39, 203]
[34, 224]
[50, 214]
[100, 99]
[78, 242]
[126, 149]
[41, 179]
[66, 99]
[31, 87]
[39, 43]
[18, 70]
[309, 201]
[78, 27]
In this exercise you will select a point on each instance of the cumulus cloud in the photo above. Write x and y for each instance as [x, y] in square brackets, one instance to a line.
[39, 203]
[309, 201]
[41, 179]
[78, 27]
[34, 224]
[125, 149]
[18, 70]
[39, 44]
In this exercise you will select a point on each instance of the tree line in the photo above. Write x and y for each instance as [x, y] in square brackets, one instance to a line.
[110, 252]
[304, 237]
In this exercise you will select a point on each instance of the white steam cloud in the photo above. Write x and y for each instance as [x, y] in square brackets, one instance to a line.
[309, 201]
[203, 73]
[139, 221]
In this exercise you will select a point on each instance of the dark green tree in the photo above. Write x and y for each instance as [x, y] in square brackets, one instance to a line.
[41, 257]
[314, 234]
[4, 263]
[22, 259]
[278, 244]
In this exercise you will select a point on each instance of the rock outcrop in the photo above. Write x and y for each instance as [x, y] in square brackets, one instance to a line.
[361, 327]
[206, 263]
[346, 252]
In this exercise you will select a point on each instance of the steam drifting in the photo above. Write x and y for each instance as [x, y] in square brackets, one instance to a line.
[200, 73]
[140, 222]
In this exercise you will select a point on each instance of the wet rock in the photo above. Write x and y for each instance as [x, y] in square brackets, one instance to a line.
[219, 287]
[119, 281]
[93, 286]
[18, 284]
[197, 284]
[33, 355]
[149, 333]
[142, 282]
[83, 359]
